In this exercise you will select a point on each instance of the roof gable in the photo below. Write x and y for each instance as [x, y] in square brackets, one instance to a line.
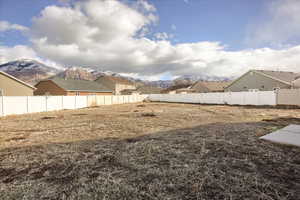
[281, 76]
[18, 80]
[210, 85]
[79, 85]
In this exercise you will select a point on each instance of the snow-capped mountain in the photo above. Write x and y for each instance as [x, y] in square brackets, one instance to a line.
[202, 77]
[30, 71]
[185, 80]
[77, 73]
[160, 83]
[85, 73]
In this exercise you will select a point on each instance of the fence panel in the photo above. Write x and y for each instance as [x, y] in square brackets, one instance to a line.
[81, 102]
[108, 100]
[68, 102]
[10, 105]
[100, 100]
[1, 106]
[289, 97]
[91, 101]
[231, 98]
[267, 98]
[54, 103]
[14, 105]
[36, 104]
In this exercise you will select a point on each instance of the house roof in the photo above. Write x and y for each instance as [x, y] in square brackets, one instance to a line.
[175, 87]
[281, 76]
[18, 80]
[209, 86]
[149, 89]
[79, 85]
[117, 80]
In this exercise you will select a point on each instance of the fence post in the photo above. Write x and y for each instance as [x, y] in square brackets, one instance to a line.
[46, 102]
[276, 97]
[27, 104]
[2, 102]
[87, 101]
[62, 102]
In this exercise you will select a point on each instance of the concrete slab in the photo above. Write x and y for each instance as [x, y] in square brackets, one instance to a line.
[292, 128]
[288, 135]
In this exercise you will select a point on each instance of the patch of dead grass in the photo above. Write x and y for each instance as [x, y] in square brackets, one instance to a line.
[184, 152]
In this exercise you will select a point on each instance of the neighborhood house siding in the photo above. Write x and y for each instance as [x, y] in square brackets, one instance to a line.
[120, 87]
[11, 87]
[87, 93]
[116, 84]
[253, 80]
[62, 87]
[48, 88]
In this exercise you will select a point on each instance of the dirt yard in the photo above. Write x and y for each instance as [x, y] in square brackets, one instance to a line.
[148, 151]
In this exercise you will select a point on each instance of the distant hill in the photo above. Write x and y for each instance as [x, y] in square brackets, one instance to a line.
[30, 71]
[77, 73]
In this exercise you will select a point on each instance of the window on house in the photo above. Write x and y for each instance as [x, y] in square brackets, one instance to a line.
[262, 86]
[77, 93]
[276, 88]
[1, 92]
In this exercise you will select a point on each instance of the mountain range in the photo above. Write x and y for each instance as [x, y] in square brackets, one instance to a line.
[32, 71]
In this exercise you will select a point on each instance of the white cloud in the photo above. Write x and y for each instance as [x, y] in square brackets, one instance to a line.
[6, 26]
[145, 5]
[22, 52]
[282, 25]
[186, 1]
[163, 36]
[104, 34]
[17, 52]
[111, 35]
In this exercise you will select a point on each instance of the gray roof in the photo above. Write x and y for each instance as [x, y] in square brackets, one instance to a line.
[79, 85]
[280, 75]
[145, 89]
[210, 86]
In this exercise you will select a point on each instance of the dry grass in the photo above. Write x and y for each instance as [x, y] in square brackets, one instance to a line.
[180, 152]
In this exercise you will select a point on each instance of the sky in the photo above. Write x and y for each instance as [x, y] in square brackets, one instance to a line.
[154, 39]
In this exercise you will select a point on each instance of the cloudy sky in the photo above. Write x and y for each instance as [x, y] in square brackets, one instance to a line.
[154, 39]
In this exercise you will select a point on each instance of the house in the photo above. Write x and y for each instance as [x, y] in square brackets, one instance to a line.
[145, 89]
[184, 91]
[70, 87]
[176, 89]
[11, 86]
[209, 86]
[129, 92]
[264, 80]
[116, 84]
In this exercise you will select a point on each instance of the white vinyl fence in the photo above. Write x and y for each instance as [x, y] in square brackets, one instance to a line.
[230, 98]
[11, 105]
[289, 97]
